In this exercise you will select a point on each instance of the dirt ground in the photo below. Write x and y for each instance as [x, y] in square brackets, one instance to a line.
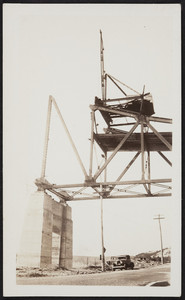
[56, 271]
[136, 277]
[40, 272]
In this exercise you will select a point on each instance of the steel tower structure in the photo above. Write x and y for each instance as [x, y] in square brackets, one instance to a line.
[138, 108]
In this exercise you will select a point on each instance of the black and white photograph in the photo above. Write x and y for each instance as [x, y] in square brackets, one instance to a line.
[92, 150]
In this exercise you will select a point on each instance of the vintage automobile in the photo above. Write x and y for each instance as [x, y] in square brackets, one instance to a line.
[120, 262]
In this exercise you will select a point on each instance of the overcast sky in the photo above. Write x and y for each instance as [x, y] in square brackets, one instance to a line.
[54, 50]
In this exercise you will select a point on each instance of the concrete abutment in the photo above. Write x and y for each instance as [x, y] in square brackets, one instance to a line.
[47, 233]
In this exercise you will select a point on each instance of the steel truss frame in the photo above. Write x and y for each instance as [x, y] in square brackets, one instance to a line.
[92, 189]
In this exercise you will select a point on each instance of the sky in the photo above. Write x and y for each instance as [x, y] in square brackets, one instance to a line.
[54, 50]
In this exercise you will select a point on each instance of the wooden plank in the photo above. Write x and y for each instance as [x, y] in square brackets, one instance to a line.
[133, 143]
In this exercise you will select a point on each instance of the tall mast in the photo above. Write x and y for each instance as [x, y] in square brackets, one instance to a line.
[103, 75]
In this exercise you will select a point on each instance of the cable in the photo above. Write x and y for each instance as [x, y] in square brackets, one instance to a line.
[124, 84]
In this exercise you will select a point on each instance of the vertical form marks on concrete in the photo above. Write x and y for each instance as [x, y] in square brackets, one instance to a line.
[55, 249]
[66, 247]
[47, 226]
[57, 209]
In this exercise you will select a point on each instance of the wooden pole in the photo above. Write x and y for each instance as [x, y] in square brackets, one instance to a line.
[92, 143]
[142, 151]
[102, 237]
[105, 87]
[46, 138]
[70, 138]
[149, 185]
[159, 218]
[162, 260]
[102, 67]
[105, 171]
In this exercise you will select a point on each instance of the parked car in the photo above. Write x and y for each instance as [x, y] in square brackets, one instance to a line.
[121, 262]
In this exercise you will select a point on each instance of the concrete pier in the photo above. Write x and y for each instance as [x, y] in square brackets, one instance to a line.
[47, 234]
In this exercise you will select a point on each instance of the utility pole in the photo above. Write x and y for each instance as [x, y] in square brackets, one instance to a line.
[102, 238]
[159, 218]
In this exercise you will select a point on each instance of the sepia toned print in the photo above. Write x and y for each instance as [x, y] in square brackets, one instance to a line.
[99, 177]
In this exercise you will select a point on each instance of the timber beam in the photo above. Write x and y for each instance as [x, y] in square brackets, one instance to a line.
[123, 196]
[92, 184]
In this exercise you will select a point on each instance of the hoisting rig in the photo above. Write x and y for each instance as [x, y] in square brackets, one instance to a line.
[139, 109]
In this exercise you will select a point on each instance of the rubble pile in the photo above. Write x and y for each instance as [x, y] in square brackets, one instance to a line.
[142, 263]
[153, 258]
